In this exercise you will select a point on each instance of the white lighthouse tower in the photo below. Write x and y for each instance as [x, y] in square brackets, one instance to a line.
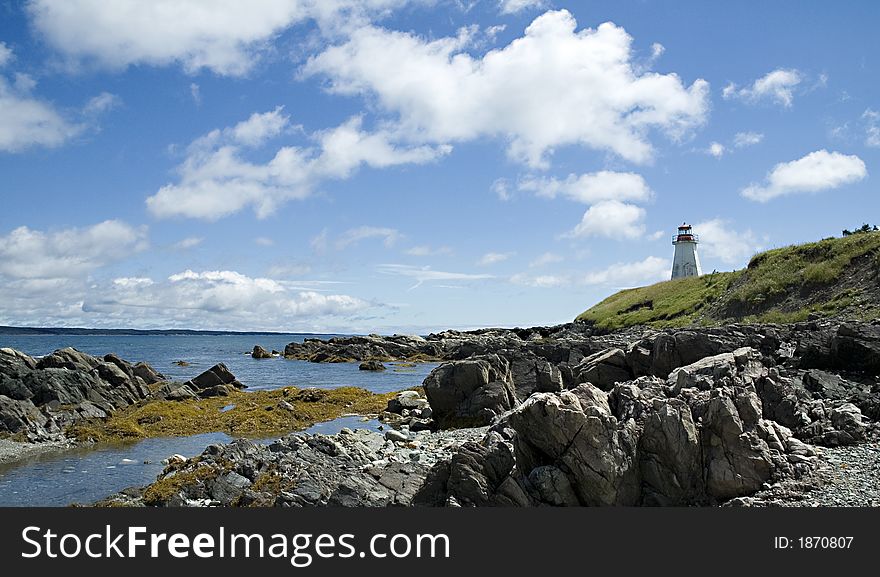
[685, 262]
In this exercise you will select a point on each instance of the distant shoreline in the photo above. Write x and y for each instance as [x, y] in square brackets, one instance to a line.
[6, 330]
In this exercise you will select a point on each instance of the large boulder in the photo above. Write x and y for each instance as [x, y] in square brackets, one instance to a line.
[856, 347]
[260, 353]
[670, 456]
[604, 369]
[218, 375]
[575, 432]
[471, 392]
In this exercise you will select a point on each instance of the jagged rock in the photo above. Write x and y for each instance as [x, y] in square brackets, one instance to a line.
[736, 460]
[826, 385]
[856, 347]
[670, 456]
[176, 392]
[604, 369]
[477, 475]
[575, 430]
[41, 398]
[371, 366]
[260, 353]
[470, 392]
[150, 375]
[216, 375]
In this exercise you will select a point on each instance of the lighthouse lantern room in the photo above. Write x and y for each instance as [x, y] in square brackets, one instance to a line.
[686, 262]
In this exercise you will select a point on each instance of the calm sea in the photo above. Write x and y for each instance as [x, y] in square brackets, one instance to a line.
[87, 474]
[204, 351]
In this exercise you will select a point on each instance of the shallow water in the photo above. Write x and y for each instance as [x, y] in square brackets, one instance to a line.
[204, 351]
[84, 475]
[87, 474]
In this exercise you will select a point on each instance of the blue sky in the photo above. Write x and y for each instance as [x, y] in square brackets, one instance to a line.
[410, 165]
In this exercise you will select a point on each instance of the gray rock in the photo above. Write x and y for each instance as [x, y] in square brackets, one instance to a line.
[470, 392]
[260, 353]
[604, 369]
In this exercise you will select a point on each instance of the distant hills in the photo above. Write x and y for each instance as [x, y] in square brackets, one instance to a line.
[6, 330]
[832, 277]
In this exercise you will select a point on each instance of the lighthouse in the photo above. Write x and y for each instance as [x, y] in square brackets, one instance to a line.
[685, 262]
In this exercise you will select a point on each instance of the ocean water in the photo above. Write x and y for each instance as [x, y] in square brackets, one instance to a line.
[204, 351]
[84, 475]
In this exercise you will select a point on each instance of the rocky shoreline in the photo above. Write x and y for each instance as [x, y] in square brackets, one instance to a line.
[749, 415]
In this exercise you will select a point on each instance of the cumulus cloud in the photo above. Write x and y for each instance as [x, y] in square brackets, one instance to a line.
[776, 86]
[354, 236]
[26, 121]
[216, 298]
[516, 6]
[815, 172]
[612, 219]
[491, 258]
[554, 86]
[719, 240]
[227, 37]
[427, 274]
[591, 188]
[69, 253]
[217, 180]
[630, 274]
[744, 139]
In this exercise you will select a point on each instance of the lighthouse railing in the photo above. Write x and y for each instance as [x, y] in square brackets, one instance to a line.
[685, 238]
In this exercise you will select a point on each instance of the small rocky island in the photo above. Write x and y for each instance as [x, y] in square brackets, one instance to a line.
[731, 415]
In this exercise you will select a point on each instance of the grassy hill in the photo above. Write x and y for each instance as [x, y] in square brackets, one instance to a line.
[832, 277]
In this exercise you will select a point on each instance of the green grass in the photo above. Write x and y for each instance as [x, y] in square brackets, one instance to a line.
[665, 304]
[774, 273]
[753, 294]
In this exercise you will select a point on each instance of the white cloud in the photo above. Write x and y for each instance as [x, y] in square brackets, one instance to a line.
[425, 250]
[264, 241]
[718, 240]
[189, 242]
[26, 121]
[872, 127]
[354, 236]
[815, 172]
[216, 181]
[219, 297]
[744, 139]
[195, 92]
[554, 86]
[68, 253]
[540, 281]
[612, 219]
[716, 149]
[501, 188]
[491, 258]
[776, 86]
[102, 103]
[545, 259]
[516, 6]
[6, 54]
[227, 37]
[592, 187]
[288, 270]
[426, 274]
[625, 275]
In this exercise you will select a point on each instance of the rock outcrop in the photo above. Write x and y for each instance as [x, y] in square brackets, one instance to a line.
[41, 398]
[471, 392]
[659, 418]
